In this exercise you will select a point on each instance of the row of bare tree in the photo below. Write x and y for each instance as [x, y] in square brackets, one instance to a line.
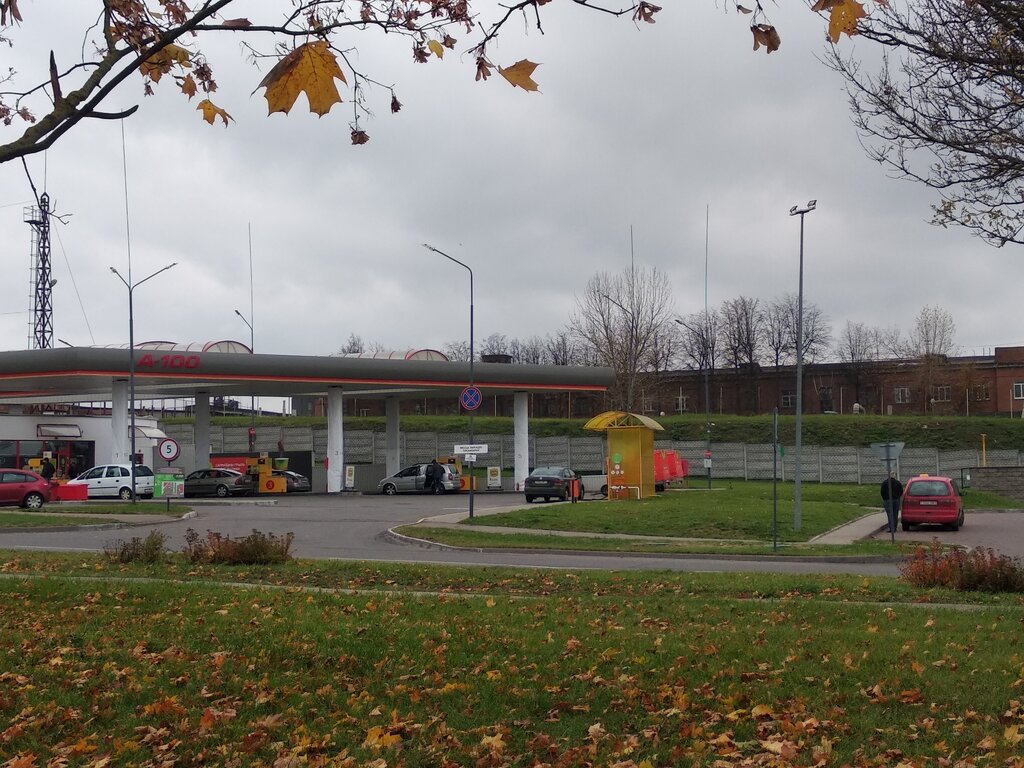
[628, 322]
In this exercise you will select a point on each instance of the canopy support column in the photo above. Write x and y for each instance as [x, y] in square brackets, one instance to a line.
[392, 459]
[521, 437]
[335, 439]
[119, 423]
[202, 431]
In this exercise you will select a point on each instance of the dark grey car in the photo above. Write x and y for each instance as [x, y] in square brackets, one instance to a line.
[218, 482]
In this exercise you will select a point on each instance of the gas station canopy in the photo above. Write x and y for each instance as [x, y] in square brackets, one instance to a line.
[83, 374]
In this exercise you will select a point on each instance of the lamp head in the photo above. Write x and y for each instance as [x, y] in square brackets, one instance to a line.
[792, 211]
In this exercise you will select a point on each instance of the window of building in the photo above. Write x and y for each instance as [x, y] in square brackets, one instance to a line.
[788, 398]
[681, 403]
[647, 404]
[981, 392]
[1018, 390]
[941, 393]
[901, 395]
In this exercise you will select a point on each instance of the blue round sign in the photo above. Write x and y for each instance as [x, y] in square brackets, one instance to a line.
[471, 398]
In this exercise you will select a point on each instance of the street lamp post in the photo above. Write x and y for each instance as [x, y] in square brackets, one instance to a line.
[252, 405]
[796, 210]
[472, 354]
[131, 357]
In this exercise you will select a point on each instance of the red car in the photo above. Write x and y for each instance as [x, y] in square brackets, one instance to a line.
[932, 500]
[23, 488]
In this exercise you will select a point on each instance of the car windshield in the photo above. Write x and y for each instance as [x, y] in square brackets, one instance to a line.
[928, 488]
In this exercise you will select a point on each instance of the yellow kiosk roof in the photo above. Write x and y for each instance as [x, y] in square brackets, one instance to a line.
[612, 419]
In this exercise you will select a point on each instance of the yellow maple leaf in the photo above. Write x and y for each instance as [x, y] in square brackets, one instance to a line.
[211, 112]
[188, 86]
[1012, 734]
[520, 74]
[844, 19]
[436, 48]
[494, 743]
[311, 68]
[164, 60]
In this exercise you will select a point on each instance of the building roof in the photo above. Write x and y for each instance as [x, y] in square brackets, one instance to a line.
[82, 374]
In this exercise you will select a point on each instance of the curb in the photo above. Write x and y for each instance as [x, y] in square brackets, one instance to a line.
[98, 526]
[392, 536]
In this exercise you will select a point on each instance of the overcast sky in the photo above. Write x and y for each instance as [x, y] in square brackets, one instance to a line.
[640, 129]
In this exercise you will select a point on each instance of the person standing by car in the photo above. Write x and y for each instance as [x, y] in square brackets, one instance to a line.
[428, 476]
[47, 469]
[892, 491]
[437, 474]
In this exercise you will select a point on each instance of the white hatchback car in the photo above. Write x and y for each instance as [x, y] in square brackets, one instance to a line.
[115, 481]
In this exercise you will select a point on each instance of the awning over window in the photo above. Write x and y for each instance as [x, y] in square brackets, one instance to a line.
[153, 433]
[58, 430]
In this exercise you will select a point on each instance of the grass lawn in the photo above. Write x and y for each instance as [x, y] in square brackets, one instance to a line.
[87, 513]
[730, 510]
[433, 666]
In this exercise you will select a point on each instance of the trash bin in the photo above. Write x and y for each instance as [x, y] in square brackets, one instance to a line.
[280, 463]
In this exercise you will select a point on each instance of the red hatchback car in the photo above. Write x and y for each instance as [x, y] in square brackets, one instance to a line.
[23, 488]
[932, 500]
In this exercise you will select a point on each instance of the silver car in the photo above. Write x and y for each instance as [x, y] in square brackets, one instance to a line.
[414, 480]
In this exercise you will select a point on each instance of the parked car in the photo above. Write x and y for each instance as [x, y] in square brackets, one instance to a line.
[23, 488]
[413, 480]
[551, 483]
[932, 500]
[218, 482]
[296, 483]
[115, 481]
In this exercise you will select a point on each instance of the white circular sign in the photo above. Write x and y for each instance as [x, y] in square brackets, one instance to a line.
[168, 449]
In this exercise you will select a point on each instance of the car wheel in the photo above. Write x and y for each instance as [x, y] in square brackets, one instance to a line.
[955, 525]
[125, 493]
[33, 501]
[604, 491]
[905, 526]
[582, 491]
[389, 490]
[222, 491]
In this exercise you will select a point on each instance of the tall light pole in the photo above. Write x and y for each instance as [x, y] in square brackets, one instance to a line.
[796, 210]
[131, 358]
[472, 354]
[706, 363]
[252, 406]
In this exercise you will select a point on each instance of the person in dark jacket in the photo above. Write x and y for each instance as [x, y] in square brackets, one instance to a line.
[47, 469]
[892, 491]
[437, 472]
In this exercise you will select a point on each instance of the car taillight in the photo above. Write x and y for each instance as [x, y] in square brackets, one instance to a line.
[557, 481]
[240, 480]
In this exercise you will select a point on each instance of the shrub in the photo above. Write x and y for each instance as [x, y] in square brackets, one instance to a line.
[136, 550]
[255, 549]
[980, 570]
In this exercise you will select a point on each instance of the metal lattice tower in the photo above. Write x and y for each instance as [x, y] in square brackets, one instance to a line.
[41, 334]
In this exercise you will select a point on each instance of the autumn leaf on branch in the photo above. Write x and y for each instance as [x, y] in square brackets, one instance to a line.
[311, 68]
[188, 86]
[436, 48]
[359, 136]
[164, 60]
[765, 34]
[844, 19]
[645, 12]
[211, 112]
[519, 74]
[9, 8]
[483, 68]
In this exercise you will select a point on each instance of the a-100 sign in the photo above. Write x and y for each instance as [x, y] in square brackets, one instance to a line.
[168, 361]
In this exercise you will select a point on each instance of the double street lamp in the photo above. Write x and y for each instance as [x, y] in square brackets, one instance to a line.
[797, 210]
[131, 356]
[472, 354]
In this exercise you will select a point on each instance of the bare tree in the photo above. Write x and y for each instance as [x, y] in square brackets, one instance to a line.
[817, 331]
[530, 350]
[622, 317]
[561, 348]
[943, 107]
[933, 334]
[353, 346]
[857, 345]
[778, 331]
[740, 331]
[495, 344]
[699, 341]
[456, 351]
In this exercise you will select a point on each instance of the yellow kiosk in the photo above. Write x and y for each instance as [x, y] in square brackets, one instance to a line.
[630, 464]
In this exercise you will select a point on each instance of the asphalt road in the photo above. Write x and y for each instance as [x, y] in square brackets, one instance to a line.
[351, 527]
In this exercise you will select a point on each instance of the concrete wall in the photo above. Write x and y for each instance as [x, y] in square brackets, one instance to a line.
[1006, 481]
